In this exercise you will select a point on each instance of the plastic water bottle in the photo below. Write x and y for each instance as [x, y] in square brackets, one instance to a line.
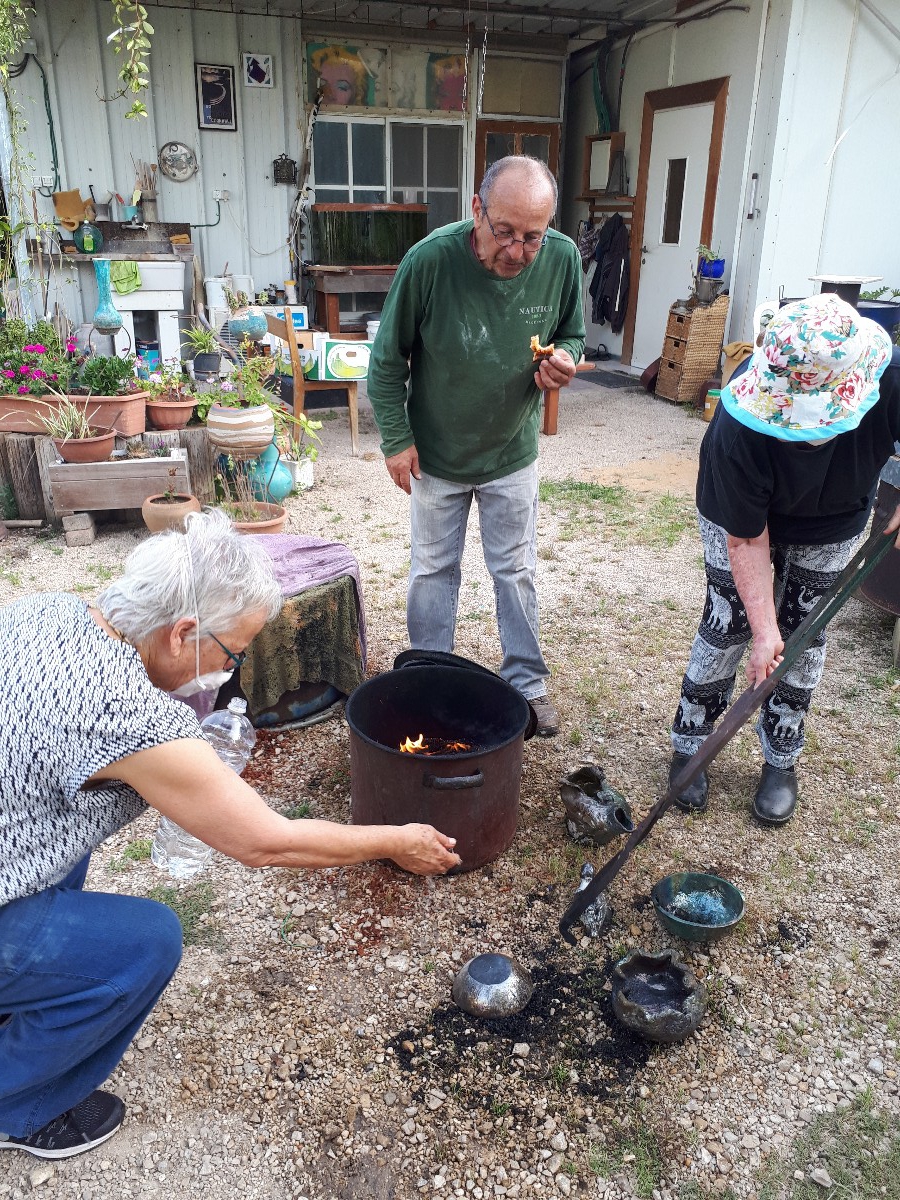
[232, 736]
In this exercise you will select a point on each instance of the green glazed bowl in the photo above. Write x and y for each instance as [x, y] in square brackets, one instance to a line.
[687, 891]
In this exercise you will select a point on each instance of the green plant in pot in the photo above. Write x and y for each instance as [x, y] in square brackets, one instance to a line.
[167, 510]
[206, 353]
[710, 264]
[171, 400]
[245, 320]
[299, 446]
[105, 375]
[75, 438]
[242, 415]
[237, 495]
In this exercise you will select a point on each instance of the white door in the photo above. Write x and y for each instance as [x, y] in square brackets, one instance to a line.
[676, 186]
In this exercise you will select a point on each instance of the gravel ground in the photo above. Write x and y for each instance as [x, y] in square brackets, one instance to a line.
[308, 1046]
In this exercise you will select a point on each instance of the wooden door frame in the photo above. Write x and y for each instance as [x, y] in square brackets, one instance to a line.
[688, 95]
[528, 128]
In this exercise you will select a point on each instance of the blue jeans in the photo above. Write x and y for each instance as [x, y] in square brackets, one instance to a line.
[79, 973]
[507, 512]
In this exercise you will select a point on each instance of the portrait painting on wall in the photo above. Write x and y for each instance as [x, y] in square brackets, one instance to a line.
[346, 75]
[258, 70]
[216, 108]
[446, 82]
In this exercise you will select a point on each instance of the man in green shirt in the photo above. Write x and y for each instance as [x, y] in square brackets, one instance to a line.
[457, 399]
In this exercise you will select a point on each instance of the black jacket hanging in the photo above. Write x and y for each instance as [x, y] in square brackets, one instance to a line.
[609, 286]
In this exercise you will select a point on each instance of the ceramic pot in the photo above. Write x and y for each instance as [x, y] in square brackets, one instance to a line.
[206, 366]
[86, 450]
[173, 413]
[271, 479]
[302, 473]
[713, 268]
[248, 322]
[273, 520]
[240, 432]
[160, 513]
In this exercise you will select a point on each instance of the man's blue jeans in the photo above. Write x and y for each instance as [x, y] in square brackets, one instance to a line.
[79, 973]
[507, 512]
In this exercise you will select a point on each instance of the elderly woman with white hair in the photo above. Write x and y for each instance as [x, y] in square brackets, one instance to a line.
[89, 739]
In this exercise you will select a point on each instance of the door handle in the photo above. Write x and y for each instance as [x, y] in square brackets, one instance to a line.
[644, 250]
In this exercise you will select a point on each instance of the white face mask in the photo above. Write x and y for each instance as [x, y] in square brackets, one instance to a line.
[211, 682]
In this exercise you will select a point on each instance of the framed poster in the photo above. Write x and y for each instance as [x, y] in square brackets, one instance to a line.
[216, 108]
[258, 71]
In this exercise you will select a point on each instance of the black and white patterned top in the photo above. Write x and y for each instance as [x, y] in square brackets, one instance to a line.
[73, 700]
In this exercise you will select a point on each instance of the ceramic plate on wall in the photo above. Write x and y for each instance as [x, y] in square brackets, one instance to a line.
[177, 161]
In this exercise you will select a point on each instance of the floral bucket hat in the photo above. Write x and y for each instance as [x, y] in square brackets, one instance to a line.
[815, 374]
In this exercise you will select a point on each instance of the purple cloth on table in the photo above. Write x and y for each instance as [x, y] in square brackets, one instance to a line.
[300, 562]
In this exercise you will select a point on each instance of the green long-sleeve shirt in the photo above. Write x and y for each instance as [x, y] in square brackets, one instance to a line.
[451, 370]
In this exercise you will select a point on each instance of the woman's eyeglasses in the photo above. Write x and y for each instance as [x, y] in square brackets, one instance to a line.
[237, 659]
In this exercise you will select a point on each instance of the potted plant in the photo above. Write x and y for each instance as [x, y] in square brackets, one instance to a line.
[710, 264]
[111, 389]
[35, 367]
[206, 353]
[170, 401]
[235, 486]
[300, 452]
[245, 320]
[167, 509]
[241, 415]
[75, 438]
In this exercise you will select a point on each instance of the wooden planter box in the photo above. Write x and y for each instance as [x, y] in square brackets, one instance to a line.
[126, 414]
[121, 483]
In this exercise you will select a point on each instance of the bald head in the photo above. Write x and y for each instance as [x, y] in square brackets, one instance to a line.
[517, 170]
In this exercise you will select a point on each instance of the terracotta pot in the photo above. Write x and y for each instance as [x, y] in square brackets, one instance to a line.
[86, 450]
[240, 432]
[160, 513]
[22, 414]
[274, 518]
[171, 413]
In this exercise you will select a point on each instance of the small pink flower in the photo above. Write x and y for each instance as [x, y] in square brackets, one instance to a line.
[54, 377]
[70, 346]
[23, 389]
[227, 387]
[10, 374]
[35, 348]
[38, 373]
[24, 369]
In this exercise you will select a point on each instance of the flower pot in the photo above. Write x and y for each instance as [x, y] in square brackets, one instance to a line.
[160, 512]
[86, 450]
[207, 365]
[173, 413]
[302, 473]
[248, 322]
[240, 432]
[127, 414]
[270, 477]
[273, 518]
[712, 268]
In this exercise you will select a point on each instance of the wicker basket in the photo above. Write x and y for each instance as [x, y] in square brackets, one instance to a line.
[700, 333]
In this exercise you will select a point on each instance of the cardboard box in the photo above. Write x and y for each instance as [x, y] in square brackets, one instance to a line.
[299, 314]
[342, 361]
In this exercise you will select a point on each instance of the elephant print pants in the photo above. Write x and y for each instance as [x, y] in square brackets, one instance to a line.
[801, 575]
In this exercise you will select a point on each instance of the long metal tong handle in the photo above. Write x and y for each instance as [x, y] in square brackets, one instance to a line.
[857, 569]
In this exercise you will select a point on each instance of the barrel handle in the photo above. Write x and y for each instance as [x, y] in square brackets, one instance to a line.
[453, 783]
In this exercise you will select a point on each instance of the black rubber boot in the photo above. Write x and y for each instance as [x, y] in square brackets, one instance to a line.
[776, 795]
[695, 796]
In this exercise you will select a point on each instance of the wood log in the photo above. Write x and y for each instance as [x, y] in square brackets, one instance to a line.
[24, 475]
[202, 456]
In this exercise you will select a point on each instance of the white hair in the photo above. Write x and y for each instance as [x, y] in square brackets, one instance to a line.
[208, 570]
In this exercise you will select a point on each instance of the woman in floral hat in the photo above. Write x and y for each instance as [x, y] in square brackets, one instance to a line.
[788, 472]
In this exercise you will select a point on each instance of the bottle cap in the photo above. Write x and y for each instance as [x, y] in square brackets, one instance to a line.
[237, 705]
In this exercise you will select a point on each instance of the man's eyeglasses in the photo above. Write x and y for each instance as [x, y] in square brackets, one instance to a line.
[237, 659]
[533, 241]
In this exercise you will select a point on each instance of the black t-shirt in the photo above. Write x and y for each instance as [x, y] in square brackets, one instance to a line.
[807, 495]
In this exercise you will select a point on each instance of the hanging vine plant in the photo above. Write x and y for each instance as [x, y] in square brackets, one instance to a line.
[131, 38]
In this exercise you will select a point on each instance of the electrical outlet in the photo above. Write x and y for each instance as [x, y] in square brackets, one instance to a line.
[220, 194]
[46, 181]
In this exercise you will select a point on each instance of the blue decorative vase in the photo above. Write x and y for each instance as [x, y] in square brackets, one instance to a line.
[713, 268]
[107, 318]
[248, 322]
[270, 477]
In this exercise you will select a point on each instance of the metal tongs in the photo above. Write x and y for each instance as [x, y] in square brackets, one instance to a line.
[860, 565]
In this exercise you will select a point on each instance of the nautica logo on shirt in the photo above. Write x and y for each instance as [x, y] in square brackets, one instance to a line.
[535, 309]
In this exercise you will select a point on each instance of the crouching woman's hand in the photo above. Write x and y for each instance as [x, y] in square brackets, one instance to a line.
[424, 851]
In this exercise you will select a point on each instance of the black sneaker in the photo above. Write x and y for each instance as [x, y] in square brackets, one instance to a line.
[82, 1128]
